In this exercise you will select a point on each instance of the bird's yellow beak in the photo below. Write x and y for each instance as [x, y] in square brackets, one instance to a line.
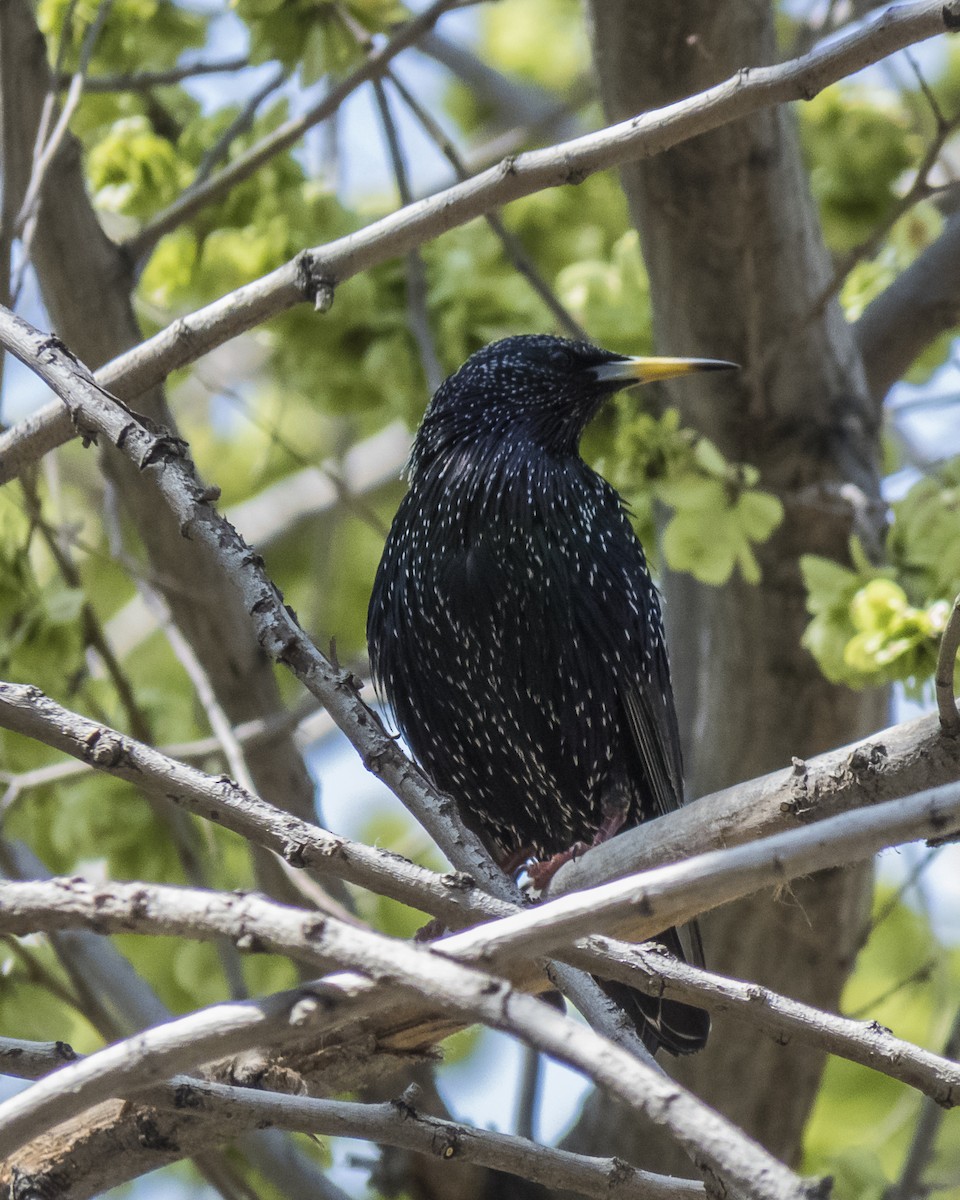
[649, 370]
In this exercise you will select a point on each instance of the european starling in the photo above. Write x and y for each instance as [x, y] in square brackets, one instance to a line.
[514, 629]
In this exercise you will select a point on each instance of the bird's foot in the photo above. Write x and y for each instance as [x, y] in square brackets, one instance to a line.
[537, 873]
[434, 929]
[614, 819]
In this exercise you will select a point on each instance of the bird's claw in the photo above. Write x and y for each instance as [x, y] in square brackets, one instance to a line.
[535, 874]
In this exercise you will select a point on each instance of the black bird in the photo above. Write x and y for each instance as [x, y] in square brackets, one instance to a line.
[514, 629]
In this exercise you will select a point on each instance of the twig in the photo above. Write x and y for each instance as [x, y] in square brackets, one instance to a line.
[528, 1102]
[230, 747]
[919, 190]
[314, 273]
[919, 975]
[219, 723]
[509, 98]
[512, 246]
[345, 492]
[940, 119]
[39, 973]
[910, 1183]
[946, 668]
[240, 124]
[783, 1019]
[143, 81]
[93, 633]
[197, 197]
[892, 902]
[811, 31]
[418, 316]
[309, 722]
[30, 1060]
[274, 512]
[26, 221]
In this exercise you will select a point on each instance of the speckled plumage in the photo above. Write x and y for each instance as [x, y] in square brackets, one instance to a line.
[514, 628]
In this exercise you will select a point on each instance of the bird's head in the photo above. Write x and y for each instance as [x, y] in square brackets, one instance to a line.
[534, 391]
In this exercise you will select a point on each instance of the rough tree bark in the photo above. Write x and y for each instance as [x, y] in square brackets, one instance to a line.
[736, 261]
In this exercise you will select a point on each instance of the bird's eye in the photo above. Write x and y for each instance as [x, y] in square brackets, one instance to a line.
[559, 358]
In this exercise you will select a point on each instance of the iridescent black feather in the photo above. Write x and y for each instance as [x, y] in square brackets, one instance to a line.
[515, 631]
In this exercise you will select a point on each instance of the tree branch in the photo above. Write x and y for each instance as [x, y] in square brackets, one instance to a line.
[126, 1003]
[400, 1123]
[783, 1019]
[214, 798]
[313, 274]
[910, 1183]
[198, 196]
[30, 1060]
[898, 761]
[143, 81]
[522, 263]
[657, 899]
[921, 303]
[395, 1123]
[946, 671]
[920, 189]
[418, 314]
[324, 941]
[27, 711]
[147, 1058]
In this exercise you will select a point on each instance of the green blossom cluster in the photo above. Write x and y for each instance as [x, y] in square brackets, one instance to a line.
[881, 624]
[717, 514]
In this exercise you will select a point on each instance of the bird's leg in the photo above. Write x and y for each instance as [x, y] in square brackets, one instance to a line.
[434, 929]
[614, 816]
[512, 862]
[540, 871]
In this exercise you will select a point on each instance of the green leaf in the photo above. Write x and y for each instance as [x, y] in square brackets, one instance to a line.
[691, 492]
[62, 605]
[709, 459]
[708, 555]
[759, 514]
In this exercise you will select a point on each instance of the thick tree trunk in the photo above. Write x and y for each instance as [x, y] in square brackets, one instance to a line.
[736, 261]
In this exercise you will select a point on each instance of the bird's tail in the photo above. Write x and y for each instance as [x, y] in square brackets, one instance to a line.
[679, 1028]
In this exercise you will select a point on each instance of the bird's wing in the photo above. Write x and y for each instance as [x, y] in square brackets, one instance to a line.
[652, 720]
